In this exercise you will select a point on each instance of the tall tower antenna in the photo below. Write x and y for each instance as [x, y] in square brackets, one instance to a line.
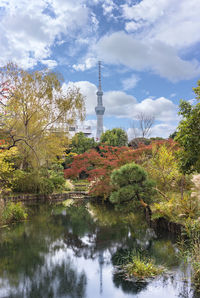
[99, 109]
[99, 75]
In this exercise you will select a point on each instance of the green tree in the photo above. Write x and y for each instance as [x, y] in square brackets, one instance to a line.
[80, 143]
[34, 110]
[188, 134]
[114, 137]
[132, 185]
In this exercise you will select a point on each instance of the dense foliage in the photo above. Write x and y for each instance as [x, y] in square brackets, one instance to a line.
[43, 181]
[33, 109]
[7, 162]
[114, 137]
[99, 164]
[163, 166]
[131, 185]
[188, 137]
[80, 143]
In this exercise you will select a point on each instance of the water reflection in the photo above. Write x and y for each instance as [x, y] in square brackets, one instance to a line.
[68, 252]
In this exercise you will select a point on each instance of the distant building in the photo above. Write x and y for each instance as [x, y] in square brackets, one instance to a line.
[72, 130]
[87, 130]
[99, 109]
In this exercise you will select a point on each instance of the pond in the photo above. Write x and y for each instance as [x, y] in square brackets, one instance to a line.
[69, 252]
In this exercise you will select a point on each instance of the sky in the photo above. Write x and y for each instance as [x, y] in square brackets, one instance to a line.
[149, 51]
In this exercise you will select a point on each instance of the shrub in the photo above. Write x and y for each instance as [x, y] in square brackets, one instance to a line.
[45, 186]
[14, 212]
[31, 182]
[131, 184]
[177, 208]
[43, 181]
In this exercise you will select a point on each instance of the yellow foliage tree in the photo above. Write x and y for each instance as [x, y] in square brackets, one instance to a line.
[7, 158]
[163, 168]
[35, 112]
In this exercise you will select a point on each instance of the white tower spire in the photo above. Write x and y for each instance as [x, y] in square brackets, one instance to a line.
[99, 109]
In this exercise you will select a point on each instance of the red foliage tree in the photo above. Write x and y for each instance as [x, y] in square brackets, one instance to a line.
[98, 165]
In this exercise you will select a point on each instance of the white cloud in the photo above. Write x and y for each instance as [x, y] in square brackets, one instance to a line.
[121, 48]
[133, 26]
[89, 91]
[108, 7]
[146, 10]
[119, 104]
[88, 63]
[49, 63]
[131, 82]
[123, 105]
[163, 130]
[162, 108]
[175, 23]
[28, 31]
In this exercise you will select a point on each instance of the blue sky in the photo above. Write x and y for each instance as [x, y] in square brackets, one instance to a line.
[149, 51]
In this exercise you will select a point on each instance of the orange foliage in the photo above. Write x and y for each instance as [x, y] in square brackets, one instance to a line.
[98, 165]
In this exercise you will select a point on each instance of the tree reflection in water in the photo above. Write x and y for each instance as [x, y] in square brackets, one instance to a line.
[40, 258]
[52, 281]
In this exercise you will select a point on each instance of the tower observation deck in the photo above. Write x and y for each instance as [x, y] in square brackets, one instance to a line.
[99, 109]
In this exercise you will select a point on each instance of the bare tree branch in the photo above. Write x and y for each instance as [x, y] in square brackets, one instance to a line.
[146, 122]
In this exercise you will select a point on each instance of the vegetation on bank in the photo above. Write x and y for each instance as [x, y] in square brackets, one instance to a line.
[12, 212]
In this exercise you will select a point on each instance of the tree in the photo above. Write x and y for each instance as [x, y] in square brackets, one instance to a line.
[34, 110]
[163, 167]
[114, 137]
[80, 143]
[143, 126]
[131, 185]
[188, 135]
[173, 135]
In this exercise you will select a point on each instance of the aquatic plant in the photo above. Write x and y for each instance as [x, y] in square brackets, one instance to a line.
[142, 267]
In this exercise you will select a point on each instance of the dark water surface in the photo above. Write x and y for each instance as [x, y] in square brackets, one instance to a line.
[68, 252]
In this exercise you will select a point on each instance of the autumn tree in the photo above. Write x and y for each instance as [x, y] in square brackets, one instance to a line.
[34, 112]
[7, 161]
[98, 165]
[114, 137]
[163, 166]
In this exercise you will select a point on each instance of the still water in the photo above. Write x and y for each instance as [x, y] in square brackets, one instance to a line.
[69, 252]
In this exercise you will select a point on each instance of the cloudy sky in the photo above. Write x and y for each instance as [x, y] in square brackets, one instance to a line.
[149, 51]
